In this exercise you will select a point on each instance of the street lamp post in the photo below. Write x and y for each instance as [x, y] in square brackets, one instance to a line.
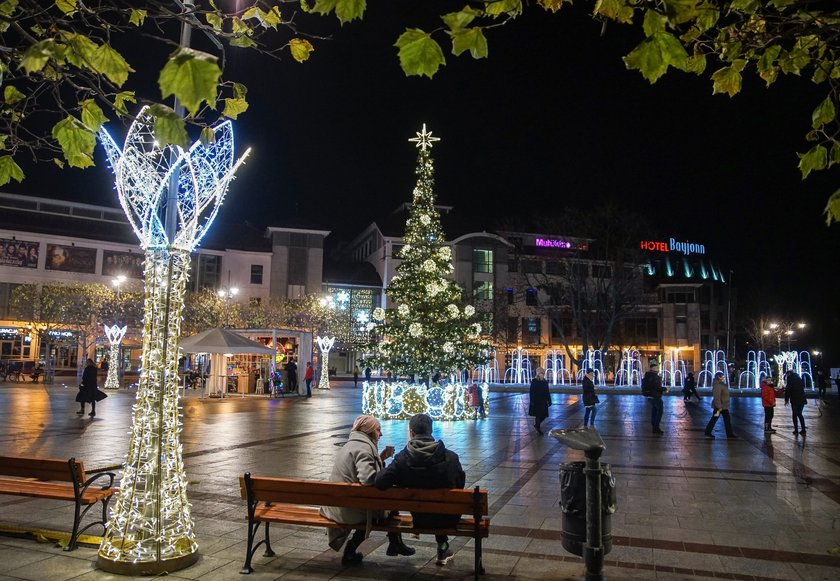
[227, 294]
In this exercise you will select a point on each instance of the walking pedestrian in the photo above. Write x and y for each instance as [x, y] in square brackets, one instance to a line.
[653, 389]
[720, 406]
[307, 377]
[368, 373]
[768, 401]
[475, 399]
[590, 400]
[822, 384]
[690, 387]
[358, 461]
[355, 376]
[795, 395]
[88, 390]
[291, 376]
[540, 399]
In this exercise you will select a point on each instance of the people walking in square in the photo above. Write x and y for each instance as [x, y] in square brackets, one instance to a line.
[539, 399]
[690, 387]
[795, 395]
[822, 384]
[307, 377]
[291, 376]
[89, 390]
[768, 401]
[590, 400]
[475, 400]
[355, 376]
[426, 463]
[368, 373]
[653, 389]
[720, 406]
[359, 461]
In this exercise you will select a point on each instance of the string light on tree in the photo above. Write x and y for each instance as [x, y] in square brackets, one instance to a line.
[428, 333]
[325, 344]
[115, 335]
[171, 197]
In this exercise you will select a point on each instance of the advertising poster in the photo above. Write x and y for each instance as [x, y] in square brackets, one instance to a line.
[71, 258]
[19, 253]
[128, 264]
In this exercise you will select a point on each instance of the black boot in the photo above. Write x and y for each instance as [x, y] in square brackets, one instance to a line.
[396, 546]
[351, 557]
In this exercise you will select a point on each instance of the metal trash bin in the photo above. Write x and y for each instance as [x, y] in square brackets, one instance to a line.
[573, 505]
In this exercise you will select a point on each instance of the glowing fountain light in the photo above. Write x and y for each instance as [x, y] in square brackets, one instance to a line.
[673, 369]
[325, 344]
[593, 361]
[519, 370]
[115, 335]
[489, 372]
[757, 368]
[713, 362]
[171, 197]
[630, 370]
[555, 368]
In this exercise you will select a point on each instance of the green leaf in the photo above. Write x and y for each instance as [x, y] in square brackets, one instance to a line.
[681, 11]
[76, 141]
[654, 22]
[169, 126]
[239, 90]
[80, 49]
[349, 10]
[832, 208]
[460, 20]
[419, 53]
[107, 61]
[501, 7]
[726, 80]
[253, 12]
[192, 76]
[137, 17]
[815, 159]
[553, 5]
[92, 115]
[58, 162]
[746, 6]
[834, 153]
[653, 56]
[208, 136]
[9, 170]
[233, 107]
[824, 113]
[66, 6]
[619, 10]
[120, 99]
[300, 49]
[214, 20]
[243, 41]
[11, 95]
[272, 18]
[8, 7]
[696, 64]
[36, 56]
[3, 139]
[471, 39]
[707, 17]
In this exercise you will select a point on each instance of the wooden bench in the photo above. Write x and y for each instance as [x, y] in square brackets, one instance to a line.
[57, 480]
[297, 502]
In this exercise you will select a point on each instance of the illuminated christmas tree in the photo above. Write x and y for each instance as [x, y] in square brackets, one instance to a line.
[429, 330]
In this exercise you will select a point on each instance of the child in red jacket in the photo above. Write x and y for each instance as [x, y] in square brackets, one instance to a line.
[768, 400]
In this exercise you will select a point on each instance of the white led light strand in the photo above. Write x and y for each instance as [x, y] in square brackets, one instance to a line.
[400, 400]
[325, 344]
[115, 335]
[150, 523]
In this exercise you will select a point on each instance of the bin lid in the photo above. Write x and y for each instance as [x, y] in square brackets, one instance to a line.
[582, 439]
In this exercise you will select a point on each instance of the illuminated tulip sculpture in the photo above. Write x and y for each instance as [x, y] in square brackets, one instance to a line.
[171, 197]
[115, 336]
[325, 344]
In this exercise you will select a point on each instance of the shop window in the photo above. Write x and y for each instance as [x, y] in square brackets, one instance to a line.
[532, 266]
[482, 260]
[483, 289]
[256, 274]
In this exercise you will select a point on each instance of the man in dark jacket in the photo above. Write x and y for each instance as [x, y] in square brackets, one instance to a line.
[652, 389]
[425, 463]
[795, 395]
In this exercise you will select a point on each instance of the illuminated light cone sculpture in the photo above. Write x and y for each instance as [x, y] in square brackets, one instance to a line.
[171, 197]
[325, 344]
[115, 336]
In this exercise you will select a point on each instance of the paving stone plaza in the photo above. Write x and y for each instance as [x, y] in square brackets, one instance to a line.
[754, 507]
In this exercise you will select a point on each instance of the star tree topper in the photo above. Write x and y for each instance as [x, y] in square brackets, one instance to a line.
[424, 139]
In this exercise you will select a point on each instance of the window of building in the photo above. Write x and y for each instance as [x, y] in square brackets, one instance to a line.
[531, 330]
[482, 260]
[554, 267]
[256, 274]
[6, 290]
[298, 266]
[560, 326]
[513, 265]
[531, 297]
[681, 328]
[206, 271]
[602, 271]
[510, 297]
[532, 266]
[483, 289]
[580, 270]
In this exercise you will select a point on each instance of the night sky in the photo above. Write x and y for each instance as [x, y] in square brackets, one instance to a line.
[551, 120]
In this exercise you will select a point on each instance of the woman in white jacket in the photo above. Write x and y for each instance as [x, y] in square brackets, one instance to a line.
[358, 461]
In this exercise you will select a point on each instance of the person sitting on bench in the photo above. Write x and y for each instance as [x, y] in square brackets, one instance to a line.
[358, 461]
[36, 373]
[426, 463]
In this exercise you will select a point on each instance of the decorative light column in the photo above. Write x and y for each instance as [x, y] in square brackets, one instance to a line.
[171, 197]
[115, 335]
[325, 344]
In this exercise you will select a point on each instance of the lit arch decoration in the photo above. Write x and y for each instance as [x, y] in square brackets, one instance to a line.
[325, 344]
[151, 527]
[115, 335]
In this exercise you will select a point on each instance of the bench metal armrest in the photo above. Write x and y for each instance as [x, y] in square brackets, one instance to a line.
[95, 477]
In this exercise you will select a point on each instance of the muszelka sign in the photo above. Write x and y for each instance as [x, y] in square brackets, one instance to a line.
[673, 245]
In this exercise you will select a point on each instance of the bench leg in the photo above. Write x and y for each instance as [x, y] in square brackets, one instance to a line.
[249, 551]
[479, 568]
[77, 517]
[268, 551]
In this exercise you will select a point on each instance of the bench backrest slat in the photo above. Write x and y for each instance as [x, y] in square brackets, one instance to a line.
[39, 468]
[441, 501]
